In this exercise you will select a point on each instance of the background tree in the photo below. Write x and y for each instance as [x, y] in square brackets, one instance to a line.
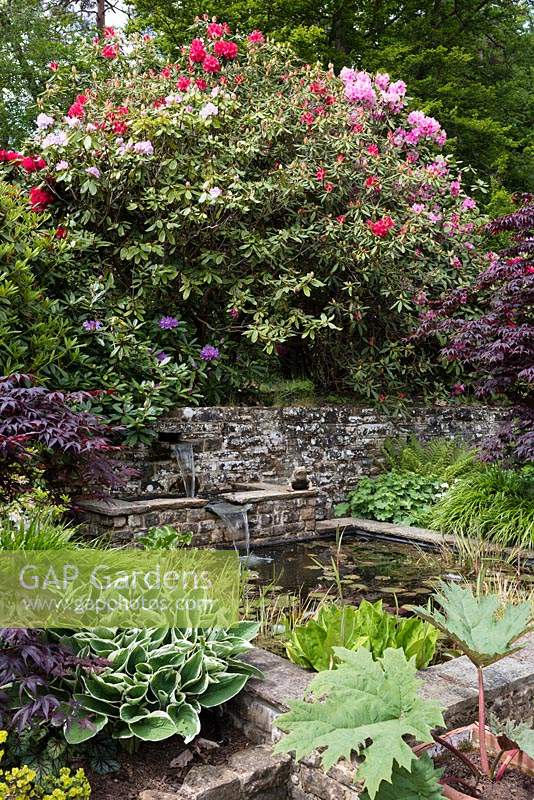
[469, 62]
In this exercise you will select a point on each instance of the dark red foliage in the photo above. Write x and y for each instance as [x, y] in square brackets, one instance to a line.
[30, 667]
[490, 330]
[44, 429]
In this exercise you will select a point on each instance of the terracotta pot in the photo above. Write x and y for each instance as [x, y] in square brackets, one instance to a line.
[470, 733]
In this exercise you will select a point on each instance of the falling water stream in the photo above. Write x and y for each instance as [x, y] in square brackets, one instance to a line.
[235, 517]
[183, 452]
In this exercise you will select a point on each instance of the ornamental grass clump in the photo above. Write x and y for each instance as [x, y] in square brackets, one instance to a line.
[217, 219]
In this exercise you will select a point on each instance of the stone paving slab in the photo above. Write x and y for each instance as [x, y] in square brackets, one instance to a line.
[373, 526]
[116, 508]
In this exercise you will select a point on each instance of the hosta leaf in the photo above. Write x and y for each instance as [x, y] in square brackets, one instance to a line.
[226, 687]
[420, 783]
[186, 721]
[364, 700]
[153, 727]
[131, 712]
[80, 730]
[484, 629]
[90, 703]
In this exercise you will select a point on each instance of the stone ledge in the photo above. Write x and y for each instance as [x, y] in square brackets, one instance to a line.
[116, 508]
[407, 532]
[272, 493]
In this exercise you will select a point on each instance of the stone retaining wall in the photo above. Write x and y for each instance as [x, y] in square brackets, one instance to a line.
[337, 444]
[276, 514]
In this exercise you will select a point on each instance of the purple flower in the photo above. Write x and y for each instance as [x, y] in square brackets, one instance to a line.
[144, 148]
[162, 356]
[92, 325]
[94, 171]
[209, 353]
[234, 312]
[168, 323]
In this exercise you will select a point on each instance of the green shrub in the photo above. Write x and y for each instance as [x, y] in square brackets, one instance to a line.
[446, 459]
[368, 625]
[261, 211]
[159, 679]
[495, 504]
[395, 496]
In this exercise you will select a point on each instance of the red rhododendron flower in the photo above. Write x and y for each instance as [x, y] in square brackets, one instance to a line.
[317, 87]
[215, 30]
[201, 84]
[329, 187]
[330, 100]
[110, 51]
[211, 64]
[373, 150]
[121, 111]
[341, 219]
[40, 198]
[53, 66]
[13, 156]
[76, 110]
[256, 37]
[197, 51]
[372, 182]
[340, 158]
[166, 72]
[239, 79]
[320, 174]
[357, 128]
[119, 127]
[61, 232]
[307, 118]
[158, 102]
[109, 32]
[32, 164]
[381, 227]
[183, 83]
[225, 49]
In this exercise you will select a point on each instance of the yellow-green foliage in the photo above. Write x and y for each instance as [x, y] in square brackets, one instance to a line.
[19, 783]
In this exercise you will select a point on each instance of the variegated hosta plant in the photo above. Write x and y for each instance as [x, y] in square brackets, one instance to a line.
[486, 630]
[158, 680]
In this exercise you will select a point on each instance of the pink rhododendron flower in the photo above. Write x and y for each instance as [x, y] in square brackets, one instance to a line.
[58, 138]
[418, 208]
[93, 171]
[226, 49]
[307, 118]
[53, 65]
[110, 51]
[329, 187]
[320, 174]
[201, 84]
[166, 72]
[211, 64]
[183, 83]
[256, 37]
[62, 165]
[234, 312]
[215, 192]
[341, 218]
[215, 30]
[382, 80]
[372, 182]
[373, 150]
[455, 188]
[361, 90]
[197, 51]
[469, 204]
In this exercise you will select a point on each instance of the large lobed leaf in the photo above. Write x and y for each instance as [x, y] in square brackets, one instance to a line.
[363, 700]
[484, 629]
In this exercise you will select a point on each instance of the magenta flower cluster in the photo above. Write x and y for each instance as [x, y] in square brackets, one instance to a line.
[209, 353]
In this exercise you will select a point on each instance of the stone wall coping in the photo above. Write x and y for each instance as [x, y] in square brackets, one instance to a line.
[451, 683]
[390, 528]
[255, 495]
[189, 413]
[115, 508]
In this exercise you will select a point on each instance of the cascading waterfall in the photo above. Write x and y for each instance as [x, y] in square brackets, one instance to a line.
[183, 452]
[235, 517]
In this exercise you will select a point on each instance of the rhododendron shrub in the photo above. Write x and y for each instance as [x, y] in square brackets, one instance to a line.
[279, 213]
[490, 330]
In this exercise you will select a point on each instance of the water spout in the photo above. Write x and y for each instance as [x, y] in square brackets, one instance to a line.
[183, 452]
[235, 517]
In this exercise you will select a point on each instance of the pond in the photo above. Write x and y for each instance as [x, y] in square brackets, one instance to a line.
[357, 567]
